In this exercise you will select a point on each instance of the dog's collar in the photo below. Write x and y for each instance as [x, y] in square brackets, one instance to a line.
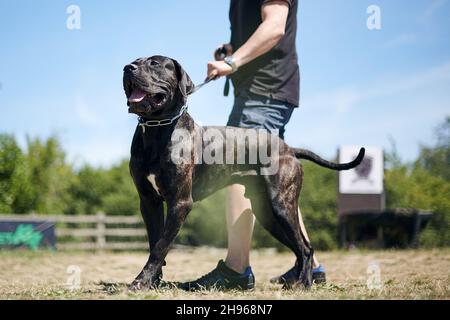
[162, 122]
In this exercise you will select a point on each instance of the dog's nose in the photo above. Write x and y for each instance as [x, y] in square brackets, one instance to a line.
[130, 68]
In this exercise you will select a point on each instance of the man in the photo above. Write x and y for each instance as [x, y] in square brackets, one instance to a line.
[265, 75]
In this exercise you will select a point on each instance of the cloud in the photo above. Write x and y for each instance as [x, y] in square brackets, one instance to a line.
[99, 152]
[434, 75]
[401, 40]
[432, 9]
[85, 114]
[342, 100]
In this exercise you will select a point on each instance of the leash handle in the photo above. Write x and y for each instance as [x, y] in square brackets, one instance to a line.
[226, 88]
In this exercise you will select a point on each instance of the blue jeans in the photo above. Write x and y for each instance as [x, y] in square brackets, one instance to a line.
[254, 111]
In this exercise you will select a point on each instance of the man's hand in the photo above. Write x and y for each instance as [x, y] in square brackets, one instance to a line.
[218, 69]
[274, 16]
[222, 51]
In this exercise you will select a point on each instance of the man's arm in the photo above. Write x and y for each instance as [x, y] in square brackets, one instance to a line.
[274, 15]
[269, 33]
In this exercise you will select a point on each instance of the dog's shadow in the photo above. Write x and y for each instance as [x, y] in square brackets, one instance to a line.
[115, 288]
[111, 287]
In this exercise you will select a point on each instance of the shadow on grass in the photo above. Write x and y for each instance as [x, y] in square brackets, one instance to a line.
[112, 288]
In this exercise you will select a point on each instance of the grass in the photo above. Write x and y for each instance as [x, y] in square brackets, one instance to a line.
[411, 274]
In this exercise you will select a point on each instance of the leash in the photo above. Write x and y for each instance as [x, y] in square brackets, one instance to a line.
[199, 86]
[226, 89]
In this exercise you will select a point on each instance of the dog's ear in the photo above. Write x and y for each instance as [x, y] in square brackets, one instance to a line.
[185, 84]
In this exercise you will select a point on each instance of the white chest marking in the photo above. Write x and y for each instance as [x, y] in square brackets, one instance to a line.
[152, 180]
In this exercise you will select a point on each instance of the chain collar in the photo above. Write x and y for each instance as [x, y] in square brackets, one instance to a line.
[162, 122]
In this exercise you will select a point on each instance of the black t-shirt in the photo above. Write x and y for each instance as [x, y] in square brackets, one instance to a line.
[276, 73]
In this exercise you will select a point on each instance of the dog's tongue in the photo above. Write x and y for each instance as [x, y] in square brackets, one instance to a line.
[137, 96]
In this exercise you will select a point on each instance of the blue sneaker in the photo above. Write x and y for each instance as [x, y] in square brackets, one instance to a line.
[222, 278]
[318, 276]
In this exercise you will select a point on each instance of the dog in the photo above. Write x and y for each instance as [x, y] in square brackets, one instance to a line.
[157, 89]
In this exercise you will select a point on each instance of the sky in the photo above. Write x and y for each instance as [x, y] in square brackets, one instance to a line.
[358, 86]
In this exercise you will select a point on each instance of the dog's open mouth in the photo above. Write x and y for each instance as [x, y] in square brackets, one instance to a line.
[137, 96]
[140, 100]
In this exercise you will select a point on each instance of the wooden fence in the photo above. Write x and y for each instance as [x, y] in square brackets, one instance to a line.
[92, 232]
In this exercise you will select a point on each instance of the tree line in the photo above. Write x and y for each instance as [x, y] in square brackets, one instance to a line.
[38, 178]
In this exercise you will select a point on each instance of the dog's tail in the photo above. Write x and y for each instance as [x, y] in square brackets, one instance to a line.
[311, 156]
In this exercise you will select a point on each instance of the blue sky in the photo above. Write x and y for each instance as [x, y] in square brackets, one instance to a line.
[358, 87]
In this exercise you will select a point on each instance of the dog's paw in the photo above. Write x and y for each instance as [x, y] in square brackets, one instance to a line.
[303, 283]
[140, 285]
[296, 286]
[145, 281]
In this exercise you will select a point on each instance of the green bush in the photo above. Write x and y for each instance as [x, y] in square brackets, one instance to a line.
[38, 178]
[425, 184]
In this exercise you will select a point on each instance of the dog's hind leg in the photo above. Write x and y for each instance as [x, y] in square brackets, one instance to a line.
[262, 210]
[283, 190]
[299, 245]
[285, 231]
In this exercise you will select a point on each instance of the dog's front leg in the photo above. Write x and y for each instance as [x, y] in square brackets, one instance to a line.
[153, 213]
[176, 215]
[152, 210]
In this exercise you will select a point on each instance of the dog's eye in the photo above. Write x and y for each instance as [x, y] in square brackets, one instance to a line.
[154, 63]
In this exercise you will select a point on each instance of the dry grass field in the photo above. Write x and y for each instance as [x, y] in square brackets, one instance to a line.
[418, 274]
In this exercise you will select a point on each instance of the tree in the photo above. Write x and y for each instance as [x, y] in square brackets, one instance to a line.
[38, 178]
[16, 192]
[425, 184]
[49, 175]
[122, 197]
[436, 159]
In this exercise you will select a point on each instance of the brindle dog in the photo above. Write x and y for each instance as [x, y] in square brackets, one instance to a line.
[157, 89]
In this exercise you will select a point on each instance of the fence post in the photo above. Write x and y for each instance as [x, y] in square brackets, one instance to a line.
[101, 238]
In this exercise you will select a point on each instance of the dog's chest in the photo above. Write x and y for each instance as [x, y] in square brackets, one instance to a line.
[152, 179]
[153, 168]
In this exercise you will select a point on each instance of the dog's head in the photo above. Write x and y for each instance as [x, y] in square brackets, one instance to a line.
[155, 86]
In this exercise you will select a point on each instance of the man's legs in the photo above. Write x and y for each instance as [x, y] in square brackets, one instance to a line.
[235, 271]
[240, 222]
